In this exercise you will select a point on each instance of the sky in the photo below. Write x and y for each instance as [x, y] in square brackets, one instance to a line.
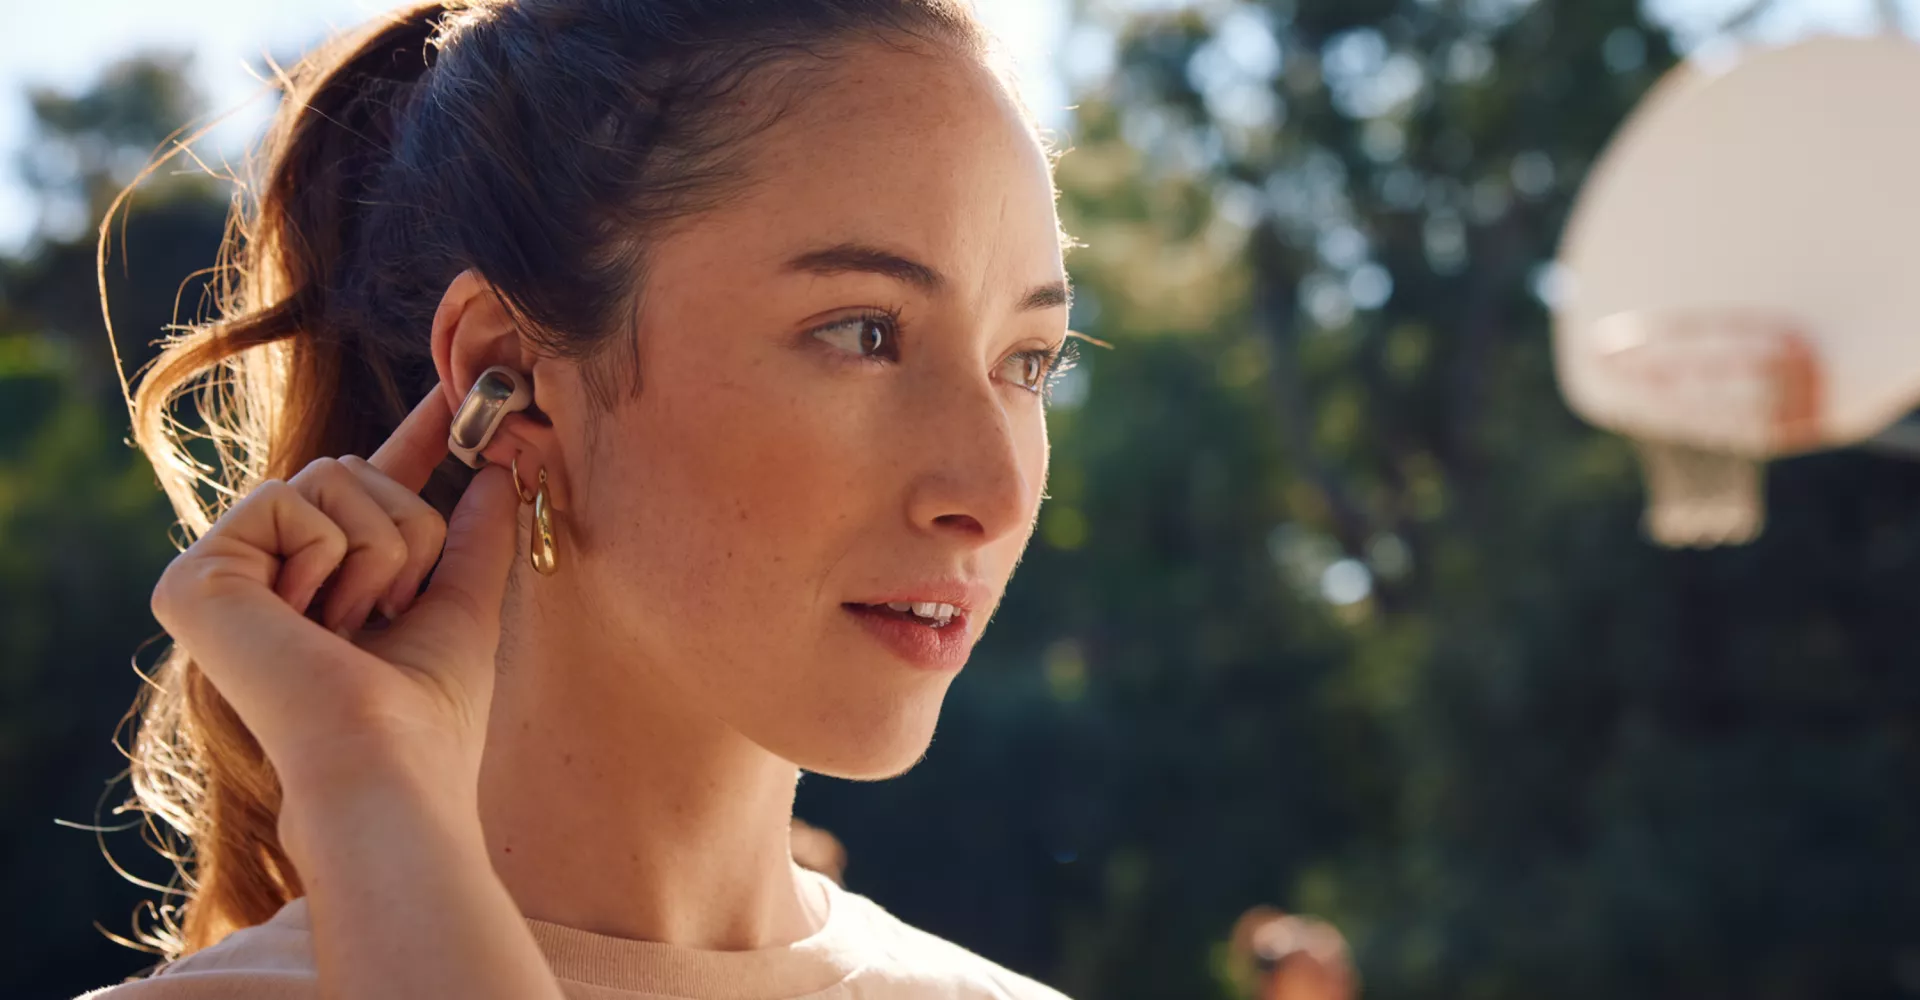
[64, 43]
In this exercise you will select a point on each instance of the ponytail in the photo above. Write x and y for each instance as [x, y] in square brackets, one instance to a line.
[275, 387]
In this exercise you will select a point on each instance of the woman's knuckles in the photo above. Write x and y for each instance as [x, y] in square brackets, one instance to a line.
[165, 598]
[383, 554]
[325, 472]
[425, 531]
[207, 572]
[273, 538]
[417, 689]
[269, 493]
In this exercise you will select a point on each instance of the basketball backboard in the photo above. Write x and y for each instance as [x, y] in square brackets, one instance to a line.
[1742, 274]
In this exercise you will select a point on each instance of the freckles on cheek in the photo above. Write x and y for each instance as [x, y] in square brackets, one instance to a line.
[771, 470]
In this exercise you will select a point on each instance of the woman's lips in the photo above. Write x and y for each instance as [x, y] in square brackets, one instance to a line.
[916, 640]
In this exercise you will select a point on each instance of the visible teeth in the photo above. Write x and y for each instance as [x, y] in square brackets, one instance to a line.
[933, 611]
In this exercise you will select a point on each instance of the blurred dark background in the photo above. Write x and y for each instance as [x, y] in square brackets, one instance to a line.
[1334, 606]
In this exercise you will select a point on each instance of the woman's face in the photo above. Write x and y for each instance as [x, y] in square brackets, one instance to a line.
[839, 410]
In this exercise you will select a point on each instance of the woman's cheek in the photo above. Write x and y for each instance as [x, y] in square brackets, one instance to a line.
[788, 459]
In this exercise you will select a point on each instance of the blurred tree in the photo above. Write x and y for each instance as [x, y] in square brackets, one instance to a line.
[1349, 613]
[83, 529]
[84, 151]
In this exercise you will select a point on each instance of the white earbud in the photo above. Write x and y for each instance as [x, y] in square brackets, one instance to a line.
[497, 392]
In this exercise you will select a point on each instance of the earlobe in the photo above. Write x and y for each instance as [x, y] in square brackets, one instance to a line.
[530, 444]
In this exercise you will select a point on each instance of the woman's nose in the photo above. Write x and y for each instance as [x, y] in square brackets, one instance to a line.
[976, 477]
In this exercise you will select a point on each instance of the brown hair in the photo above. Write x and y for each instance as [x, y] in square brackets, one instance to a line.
[541, 143]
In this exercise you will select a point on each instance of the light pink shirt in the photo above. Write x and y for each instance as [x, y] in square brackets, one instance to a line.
[862, 952]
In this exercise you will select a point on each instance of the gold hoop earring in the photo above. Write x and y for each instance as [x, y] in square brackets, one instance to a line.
[525, 497]
[543, 549]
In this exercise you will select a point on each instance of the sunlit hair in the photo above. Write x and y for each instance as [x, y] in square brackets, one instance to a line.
[543, 143]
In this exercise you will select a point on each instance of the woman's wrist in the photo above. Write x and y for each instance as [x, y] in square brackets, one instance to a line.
[335, 819]
[402, 893]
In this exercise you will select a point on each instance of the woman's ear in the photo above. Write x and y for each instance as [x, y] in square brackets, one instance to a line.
[473, 331]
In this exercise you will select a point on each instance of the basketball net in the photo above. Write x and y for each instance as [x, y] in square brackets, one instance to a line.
[1698, 498]
[1708, 396]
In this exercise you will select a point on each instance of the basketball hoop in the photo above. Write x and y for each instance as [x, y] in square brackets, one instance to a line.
[1741, 284]
[1707, 396]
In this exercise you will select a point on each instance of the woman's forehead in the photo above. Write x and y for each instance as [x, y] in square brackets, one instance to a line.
[946, 170]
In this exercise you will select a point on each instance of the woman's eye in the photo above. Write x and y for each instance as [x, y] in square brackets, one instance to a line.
[1029, 369]
[867, 336]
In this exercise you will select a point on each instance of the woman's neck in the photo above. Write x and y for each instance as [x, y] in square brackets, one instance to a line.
[607, 811]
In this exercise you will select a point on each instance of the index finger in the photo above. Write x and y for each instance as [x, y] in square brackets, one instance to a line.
[417, 446]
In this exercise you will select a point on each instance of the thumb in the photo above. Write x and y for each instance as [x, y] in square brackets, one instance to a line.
[459, 614]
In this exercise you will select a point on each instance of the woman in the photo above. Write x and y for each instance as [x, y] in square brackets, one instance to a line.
[785, 280]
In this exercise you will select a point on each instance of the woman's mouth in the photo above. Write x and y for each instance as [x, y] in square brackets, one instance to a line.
[930, 635]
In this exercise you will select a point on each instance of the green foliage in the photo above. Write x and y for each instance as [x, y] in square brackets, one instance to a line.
[83, 535]
[83, 529]
[1362, 624]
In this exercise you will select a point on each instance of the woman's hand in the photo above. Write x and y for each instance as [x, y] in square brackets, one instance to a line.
[333, 704]
[376, 733]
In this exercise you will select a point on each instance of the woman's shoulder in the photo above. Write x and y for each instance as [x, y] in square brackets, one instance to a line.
[906, 962]
[271, 961]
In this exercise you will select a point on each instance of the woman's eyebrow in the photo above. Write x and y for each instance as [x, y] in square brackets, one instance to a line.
[1048, 296]
[842, 258]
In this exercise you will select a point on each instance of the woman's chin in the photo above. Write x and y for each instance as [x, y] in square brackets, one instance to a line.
[871, 750]
[871, 769]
